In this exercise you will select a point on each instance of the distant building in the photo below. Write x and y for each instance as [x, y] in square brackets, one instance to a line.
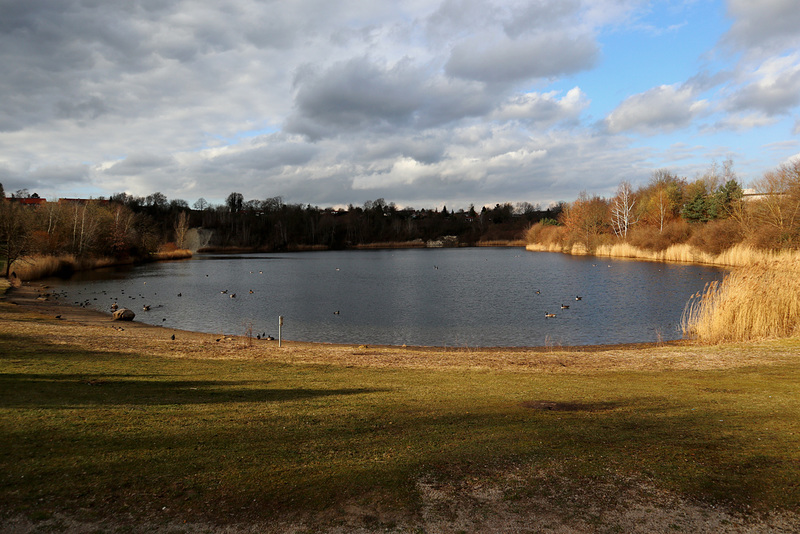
[27, 201]
[83, 201]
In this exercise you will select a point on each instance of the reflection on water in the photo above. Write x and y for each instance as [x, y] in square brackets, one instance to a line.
[466, 297]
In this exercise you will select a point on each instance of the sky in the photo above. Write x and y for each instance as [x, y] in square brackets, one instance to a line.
[424, 103]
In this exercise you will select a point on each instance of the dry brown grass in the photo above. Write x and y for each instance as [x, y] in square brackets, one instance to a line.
[760, 301]
[736, 256]
[37, 267]
[501, 243]
[176, 254]
[43, 266]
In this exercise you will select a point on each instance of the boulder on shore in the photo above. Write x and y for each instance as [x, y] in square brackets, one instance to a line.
[123, 314]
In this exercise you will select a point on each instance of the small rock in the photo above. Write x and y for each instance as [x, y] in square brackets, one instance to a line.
[123, 314]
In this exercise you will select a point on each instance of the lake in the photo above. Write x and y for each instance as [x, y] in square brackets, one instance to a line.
[451, 297]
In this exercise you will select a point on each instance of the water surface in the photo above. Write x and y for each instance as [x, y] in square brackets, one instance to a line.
[466, 297]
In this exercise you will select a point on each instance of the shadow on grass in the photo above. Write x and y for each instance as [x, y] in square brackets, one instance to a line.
[70, 390]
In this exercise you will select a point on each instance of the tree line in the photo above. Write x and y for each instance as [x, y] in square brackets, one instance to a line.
[127, 227]
[711, 213]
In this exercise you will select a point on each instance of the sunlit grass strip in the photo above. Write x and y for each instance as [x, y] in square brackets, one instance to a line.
[760, 301]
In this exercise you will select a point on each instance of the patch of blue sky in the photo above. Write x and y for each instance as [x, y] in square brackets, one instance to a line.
[667, 46]
[690, 152]
[213, 140]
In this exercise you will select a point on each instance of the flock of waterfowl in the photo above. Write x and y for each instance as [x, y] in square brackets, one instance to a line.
[548, 315]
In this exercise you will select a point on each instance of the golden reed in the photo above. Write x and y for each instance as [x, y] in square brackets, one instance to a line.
[36, 267]
[758, 301]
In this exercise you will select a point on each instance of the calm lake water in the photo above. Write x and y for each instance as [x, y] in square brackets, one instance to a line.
[465, 297]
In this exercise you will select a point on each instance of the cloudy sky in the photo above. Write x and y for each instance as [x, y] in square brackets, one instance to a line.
[421, 102]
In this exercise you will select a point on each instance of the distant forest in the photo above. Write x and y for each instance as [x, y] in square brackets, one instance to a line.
[124, 226]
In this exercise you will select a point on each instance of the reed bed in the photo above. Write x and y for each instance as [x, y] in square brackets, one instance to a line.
[759, 301]
[736, 256]
[40, 266]
[544, 247]
[36, 267]
[501, 243]
[176, 254]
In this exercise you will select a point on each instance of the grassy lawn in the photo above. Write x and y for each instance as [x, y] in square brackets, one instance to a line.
[97, 433]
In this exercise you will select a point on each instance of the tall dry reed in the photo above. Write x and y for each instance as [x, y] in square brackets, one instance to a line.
[174, 254]
[759, 301]
[736, 256]
[38, 266]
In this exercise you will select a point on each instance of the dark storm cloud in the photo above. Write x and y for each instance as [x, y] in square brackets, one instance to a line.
[360, 94]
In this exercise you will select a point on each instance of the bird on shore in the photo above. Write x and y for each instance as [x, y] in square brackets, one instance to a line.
[146, 307]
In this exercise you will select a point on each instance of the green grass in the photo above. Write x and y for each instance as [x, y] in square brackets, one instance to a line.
[96, 434]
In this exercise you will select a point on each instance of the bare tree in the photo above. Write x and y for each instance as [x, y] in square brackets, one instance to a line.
[622, 214]
[778, 204]
[181, 228]
[14, 232]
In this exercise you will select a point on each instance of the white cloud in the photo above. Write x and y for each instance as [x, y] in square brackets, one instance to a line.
[773, 88]
[658, 110]
[543, 108]
[765, 25]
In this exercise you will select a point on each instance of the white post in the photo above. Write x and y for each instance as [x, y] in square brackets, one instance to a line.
[280, 324]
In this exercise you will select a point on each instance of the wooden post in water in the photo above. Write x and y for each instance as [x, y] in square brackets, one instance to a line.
[280, 324]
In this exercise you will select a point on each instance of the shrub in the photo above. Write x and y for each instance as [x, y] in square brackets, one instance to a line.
[649, 238]
[716, 236]
[544, 234]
